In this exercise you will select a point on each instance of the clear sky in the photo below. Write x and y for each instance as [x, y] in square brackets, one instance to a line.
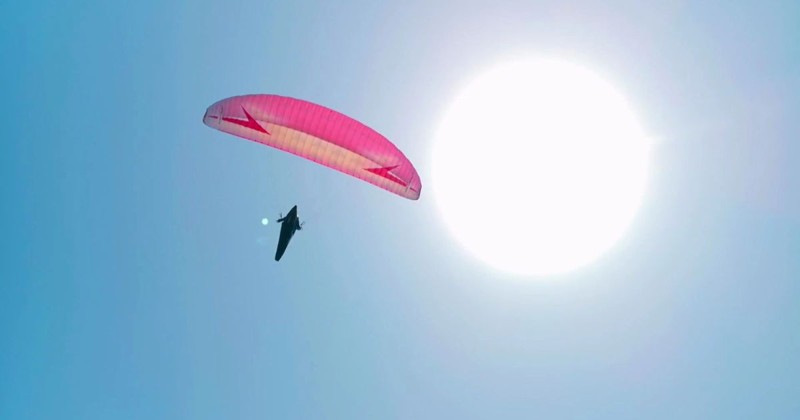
[136, 280]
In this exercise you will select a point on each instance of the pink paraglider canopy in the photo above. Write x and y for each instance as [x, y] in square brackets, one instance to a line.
[319, 134]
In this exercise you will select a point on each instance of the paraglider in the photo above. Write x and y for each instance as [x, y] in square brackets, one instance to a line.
[289, 225]
[319, 134]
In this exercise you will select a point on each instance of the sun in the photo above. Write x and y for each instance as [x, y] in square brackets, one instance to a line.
[539, 166]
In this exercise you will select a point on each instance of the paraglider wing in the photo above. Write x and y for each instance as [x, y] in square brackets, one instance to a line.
[318, 134]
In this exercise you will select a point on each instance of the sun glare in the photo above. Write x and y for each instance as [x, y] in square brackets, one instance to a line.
[539, 166]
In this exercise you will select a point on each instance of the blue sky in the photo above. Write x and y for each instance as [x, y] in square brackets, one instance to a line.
[137, 281]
